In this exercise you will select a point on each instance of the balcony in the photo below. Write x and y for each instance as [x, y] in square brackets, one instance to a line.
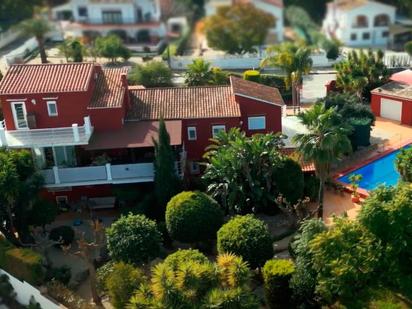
[33, 138]
[96, 175]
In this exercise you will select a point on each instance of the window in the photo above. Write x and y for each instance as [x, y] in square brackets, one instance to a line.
[64, 156]
[112, 17]
[385, 34]
[382, 20]
[82, 11]
[361, 22]
[257, 123]
[19, 115]
[194, 168]
[52, 108]
[62, 202]
[216, 129]
[366, 35]
[353, 37]
[191, 133]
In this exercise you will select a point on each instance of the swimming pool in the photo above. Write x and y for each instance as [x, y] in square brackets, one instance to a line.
[380, 171]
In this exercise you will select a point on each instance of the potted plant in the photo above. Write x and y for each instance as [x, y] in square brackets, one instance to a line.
[354, 182]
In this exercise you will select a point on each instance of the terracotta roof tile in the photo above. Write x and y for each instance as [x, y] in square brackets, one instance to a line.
[109, 90]
[257, 91]
[306, 167]
[183, 103]
[46, 78]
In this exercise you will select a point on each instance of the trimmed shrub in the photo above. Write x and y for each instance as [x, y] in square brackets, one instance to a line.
[63, 233]
[122, 282]
[289, 179]
[276, 276]
[247, 237]
[133, 239]
[102, 274]
[193, 216]
[251, 75]
[182, 257]
[25, 264]
[232, 298]
[403, 164]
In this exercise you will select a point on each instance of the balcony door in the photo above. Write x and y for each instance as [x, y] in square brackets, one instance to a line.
[61, 156]
[112, 17]
[19, 115]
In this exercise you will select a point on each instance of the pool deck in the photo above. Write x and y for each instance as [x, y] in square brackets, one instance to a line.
[387, 136]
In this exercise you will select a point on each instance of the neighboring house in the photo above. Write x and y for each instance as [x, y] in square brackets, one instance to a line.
[273, 7]
[394, 100]
[362, 23]
[137, 22]
[400, 33]
[88, 130]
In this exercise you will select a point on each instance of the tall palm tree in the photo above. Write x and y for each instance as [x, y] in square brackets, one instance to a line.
[294, 60]
[37, 27]
[326, 141]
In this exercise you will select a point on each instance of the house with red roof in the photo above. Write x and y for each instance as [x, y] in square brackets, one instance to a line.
[394, 99]
[89, 131]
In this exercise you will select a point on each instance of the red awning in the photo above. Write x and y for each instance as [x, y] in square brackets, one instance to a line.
[135, 135]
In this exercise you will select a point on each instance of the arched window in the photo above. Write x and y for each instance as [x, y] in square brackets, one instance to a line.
[381, 20]
[361, 21]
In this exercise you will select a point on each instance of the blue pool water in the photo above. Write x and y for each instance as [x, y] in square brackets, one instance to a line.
[381, 171]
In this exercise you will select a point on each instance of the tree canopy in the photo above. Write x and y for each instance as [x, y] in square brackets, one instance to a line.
[238, 29]
[200, 73]
[112, 48]
[14, 11]
[151, 74]
[247, 174]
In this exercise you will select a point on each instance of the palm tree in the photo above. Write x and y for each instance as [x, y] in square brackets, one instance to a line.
[294, 60]
[326, 141]
[198, 73]
[37, 27]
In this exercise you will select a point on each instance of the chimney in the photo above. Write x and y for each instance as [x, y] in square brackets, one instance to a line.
[125, 85]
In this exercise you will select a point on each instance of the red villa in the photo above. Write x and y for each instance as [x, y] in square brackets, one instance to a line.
[88, 130]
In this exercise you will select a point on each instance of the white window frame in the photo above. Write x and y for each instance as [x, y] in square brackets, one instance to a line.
[189, 130]
[218, 128]
[62, 198]
[16, 123]
[49, 103]
[194, 168]
[250, 128]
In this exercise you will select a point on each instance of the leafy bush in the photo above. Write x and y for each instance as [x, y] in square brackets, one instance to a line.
[231, 298]
[311, 187]
[4, 247]
[25, 264]
[276, 276]
[182, 257]
[42, 213]
[193, 216]
[122, 281]
[63, 234]
[102, 273]
[133, 239]
[289, 179]
[111, 47]
[247, 237]
[251, 75]
[61, 274]
[408, 47]
[403, 164]
[152, 74]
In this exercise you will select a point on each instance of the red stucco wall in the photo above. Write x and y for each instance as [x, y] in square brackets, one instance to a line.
[406, 107]
[250, 107]
[76, 193]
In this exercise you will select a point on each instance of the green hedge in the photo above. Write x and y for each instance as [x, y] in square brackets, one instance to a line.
[4, 247]
[25, 264]
[252, 75]
[276, 276]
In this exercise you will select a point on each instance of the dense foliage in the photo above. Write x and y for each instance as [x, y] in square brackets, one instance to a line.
[64, 235]
[193, 217]
[247, 174]
[247, 237]
[112, 48]
[403, 164]
[408, 48]
[72, 49]
[238, 29]
[122, 281]
[325, 142]
[200, 73]
[166, 181]
[25, 264]
[42, 213]
[14, 11]
[361, 72]
[197, 283]
[151, 74]
[37, 27]
[276, 277]
[181, 257]
[133, 239]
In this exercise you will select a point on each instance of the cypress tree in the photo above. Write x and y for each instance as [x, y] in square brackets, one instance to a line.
[166, 181]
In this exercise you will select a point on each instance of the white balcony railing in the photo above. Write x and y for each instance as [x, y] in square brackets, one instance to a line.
[74, 135]
[95, 175]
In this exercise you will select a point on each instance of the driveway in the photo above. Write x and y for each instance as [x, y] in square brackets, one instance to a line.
[314, 88]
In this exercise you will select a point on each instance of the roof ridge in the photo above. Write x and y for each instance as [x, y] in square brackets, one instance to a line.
[184, 87]
[50, 64]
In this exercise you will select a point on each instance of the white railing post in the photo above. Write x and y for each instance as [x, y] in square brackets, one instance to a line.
[109, 171]
[3, 139]
[56, 175]
[87, 125]
[75, 128]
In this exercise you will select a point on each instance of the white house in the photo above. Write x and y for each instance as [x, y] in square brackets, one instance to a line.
[137, 22]
[362, 23]
[274, 7]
